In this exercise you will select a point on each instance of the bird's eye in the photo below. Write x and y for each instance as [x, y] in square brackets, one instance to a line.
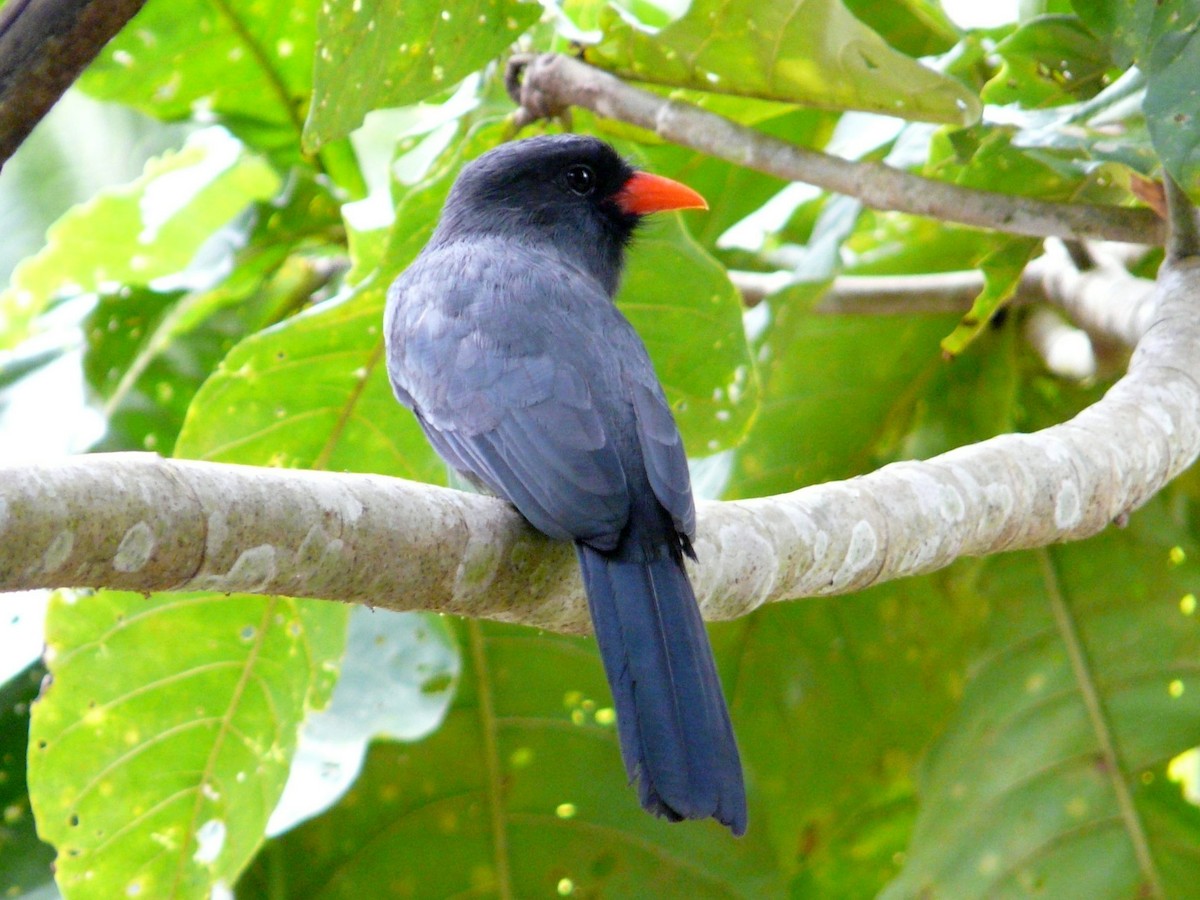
[581, 180]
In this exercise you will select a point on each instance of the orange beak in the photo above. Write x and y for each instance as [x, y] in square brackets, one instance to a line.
[644, 193]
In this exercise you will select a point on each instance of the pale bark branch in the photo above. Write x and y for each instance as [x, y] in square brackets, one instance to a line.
[1105, 300]
[139, 522]
[550, 84]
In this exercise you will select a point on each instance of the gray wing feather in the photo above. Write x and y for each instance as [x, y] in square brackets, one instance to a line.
[509, 408]
[663, 453]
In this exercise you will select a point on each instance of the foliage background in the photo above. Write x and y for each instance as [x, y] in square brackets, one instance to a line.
[1008, 726]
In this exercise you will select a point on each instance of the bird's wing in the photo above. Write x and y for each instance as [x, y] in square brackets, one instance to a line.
[662, 449]
[510, 404]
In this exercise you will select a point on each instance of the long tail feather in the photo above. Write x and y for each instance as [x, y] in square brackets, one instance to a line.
[676, 737]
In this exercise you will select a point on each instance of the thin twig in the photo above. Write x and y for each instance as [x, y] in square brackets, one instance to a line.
[1105, 300]
[551, 83]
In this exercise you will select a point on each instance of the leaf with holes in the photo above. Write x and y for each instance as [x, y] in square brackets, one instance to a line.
[1163, 38]
[248, 63]
[374, 54]
[164, 739]
[1048, 779]
[1048, 61]
[813, 52]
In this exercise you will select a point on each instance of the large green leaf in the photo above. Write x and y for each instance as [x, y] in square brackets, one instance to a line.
[163, 741]
[813, 52]
[379, 53]
[672, 288]
[834, 700]
[1049, 780]
[832, 386]
[136, 233]
[311, 393]
[523, 788]
[246, 62]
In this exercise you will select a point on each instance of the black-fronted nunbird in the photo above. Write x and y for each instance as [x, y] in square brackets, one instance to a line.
[503, 339]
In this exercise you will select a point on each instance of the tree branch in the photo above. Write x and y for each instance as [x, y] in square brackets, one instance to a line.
[44, 45]
[1105, 300]
[139, 522]
[551, 83]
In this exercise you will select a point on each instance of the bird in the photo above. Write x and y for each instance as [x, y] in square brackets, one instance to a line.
[503, 339]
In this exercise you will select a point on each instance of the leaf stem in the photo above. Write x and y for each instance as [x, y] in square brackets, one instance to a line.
[282, 94]
[1081, 667]
[491, 752]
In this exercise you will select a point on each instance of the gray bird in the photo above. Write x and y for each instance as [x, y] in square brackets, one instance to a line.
[503, 339]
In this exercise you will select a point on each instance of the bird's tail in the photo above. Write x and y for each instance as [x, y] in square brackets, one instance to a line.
[676, 737]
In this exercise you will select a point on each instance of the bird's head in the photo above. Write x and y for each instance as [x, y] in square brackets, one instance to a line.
[571, 192]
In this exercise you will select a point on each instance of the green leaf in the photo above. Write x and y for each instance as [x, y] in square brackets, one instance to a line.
[147, 353]
[1049, 61]
[985, 157]
[830, 387]
[398, 677]
[1124, 24]
[313, 391]
[142, 231]
[833, 700]
[844, 394]
[799, 51]
[25, 862]
[246, 62]
[672, 287]
[914, 27]
[1001, 276]
[1163, 38]
[1046, 780]
[886, 243]
[164, 739]
[1172, 104]
[534, 803]
[374, 54]
[53, 169]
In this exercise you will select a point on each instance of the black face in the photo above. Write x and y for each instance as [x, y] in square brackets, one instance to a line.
[558, 189]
